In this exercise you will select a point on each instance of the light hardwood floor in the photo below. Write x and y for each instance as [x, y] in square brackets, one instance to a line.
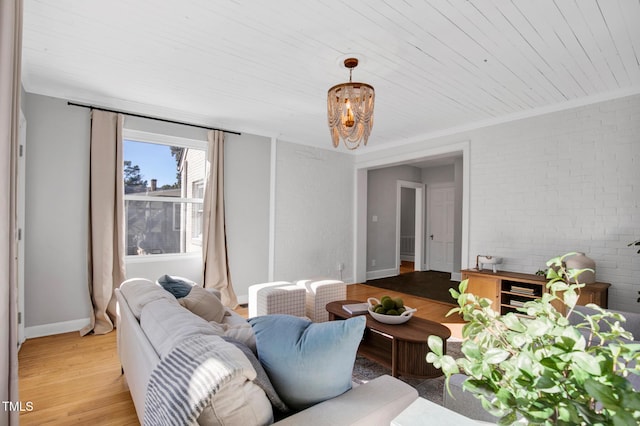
[73, 380]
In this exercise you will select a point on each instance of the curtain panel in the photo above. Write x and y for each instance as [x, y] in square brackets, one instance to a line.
[106, 219]
[214, 240]
[10, 88]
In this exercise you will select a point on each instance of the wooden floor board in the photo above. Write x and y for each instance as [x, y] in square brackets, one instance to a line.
[73, 380]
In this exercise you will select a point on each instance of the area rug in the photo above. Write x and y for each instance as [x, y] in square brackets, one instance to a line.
[429, 284]
[431, 389]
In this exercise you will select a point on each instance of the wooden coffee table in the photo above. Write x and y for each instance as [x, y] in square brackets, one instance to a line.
[401, 347]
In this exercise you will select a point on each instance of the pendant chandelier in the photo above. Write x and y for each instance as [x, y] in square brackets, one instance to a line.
[350, 110]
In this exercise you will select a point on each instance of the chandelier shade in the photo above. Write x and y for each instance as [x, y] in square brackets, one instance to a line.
[350, 110]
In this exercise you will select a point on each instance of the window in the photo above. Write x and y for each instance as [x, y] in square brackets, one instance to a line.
[196, 218]
[164, 189]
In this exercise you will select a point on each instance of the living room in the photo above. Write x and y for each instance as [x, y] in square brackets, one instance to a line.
[561, 175]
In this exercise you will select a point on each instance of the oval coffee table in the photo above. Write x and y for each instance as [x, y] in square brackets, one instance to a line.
[402, 347]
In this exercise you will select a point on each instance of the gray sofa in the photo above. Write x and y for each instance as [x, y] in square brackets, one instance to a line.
[151, 323]
[468, 405]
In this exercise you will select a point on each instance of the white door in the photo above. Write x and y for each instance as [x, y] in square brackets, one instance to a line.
[440, 218]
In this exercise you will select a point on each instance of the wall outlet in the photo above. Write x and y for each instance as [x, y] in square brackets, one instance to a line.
[340, 266]
[373, 262]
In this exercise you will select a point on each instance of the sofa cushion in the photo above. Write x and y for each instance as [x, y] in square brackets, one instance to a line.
[207, 378]
[204, 304]
[166, 324]
[179, 287]
[262, 378]
[238, 328]
[139, 291]
[307, 362]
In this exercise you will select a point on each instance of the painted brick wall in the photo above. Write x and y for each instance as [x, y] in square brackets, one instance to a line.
[568, 181]
[314, 213]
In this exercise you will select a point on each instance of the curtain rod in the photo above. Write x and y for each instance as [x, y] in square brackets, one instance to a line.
[151, 118]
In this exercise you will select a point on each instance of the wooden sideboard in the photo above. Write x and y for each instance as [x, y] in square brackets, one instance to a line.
[508, 290]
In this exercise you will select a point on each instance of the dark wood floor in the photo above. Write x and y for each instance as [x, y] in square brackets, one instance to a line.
[73, 380]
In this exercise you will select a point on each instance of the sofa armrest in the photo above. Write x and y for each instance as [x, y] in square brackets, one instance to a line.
[137, 357]
[376, 402]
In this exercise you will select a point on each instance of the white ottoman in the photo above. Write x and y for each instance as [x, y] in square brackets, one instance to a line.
[279, 297]
[318, 294]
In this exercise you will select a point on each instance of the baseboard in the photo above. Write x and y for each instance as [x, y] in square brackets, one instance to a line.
[55, 328]
[382, 273]
[456, 276]
[243, 299]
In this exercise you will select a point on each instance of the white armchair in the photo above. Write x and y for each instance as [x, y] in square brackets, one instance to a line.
[318, 294]
[279, 297]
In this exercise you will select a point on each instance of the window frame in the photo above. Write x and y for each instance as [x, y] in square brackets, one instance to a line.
[168, 140]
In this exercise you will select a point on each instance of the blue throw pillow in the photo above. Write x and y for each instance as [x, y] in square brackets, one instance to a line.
[179, 288]
[307, 362]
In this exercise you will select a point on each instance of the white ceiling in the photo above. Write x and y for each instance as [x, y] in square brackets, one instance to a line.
[264, 67]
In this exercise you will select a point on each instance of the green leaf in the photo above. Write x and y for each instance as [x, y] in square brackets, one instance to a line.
[537, 327]
[513, 323]
[454, 293]
[570, 298]
[601, 393]
[623, 418]
[631, 400]
[547, 384]
[463, 286]
[587, 362]
[495, 355]
[435, 344]
[506, 397]
[449, 365]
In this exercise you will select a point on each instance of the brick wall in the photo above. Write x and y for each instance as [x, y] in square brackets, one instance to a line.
[567, 181]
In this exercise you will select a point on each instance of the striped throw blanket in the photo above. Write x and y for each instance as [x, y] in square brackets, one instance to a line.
[187, 378]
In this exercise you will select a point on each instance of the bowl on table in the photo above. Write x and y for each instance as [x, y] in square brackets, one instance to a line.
[389, 319]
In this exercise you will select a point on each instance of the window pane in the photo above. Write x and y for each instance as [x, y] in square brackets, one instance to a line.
[152, 169]
[157, 227]
[151, 173]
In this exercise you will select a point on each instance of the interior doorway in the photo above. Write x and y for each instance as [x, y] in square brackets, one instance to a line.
[366, 163]
[410, 214]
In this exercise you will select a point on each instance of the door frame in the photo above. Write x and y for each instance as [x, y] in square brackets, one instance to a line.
[418, 251]
[20, 213]
[428, 221]
[381, 159]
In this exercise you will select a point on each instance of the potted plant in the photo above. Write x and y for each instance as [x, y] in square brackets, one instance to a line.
[534, 367]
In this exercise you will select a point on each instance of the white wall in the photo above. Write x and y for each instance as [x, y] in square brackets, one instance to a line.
[57, 188]
[381, 203]
[314, 213]
[56, 222]
[247, 174]
[559, 182]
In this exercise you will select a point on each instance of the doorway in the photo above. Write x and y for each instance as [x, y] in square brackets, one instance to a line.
[410, 216]
[371, 162]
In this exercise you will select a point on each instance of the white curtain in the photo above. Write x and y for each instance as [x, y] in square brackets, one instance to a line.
[106, 219]
[10, 58]
[214, 244]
